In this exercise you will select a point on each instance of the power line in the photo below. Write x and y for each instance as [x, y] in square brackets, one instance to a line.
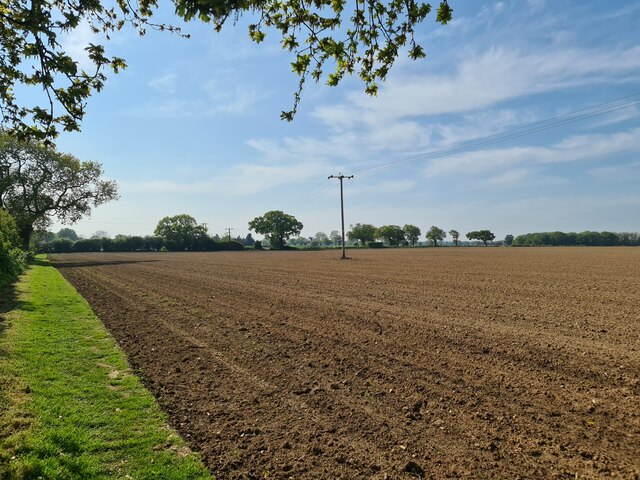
[528, 129]
[307, 194]
[616, 104]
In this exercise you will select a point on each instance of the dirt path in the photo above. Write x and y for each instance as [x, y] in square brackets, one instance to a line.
[414, 363]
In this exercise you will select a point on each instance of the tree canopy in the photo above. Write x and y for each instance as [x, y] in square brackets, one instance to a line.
[181, 232]
[364, 37]
[411, 233]
[436, 235]
[391, 234]
[455, 235]
[68, 233]
[482, 235]
[277, 226]
[362, 232]
[37, 183]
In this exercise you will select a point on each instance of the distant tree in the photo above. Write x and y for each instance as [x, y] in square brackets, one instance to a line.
[336, 238]
[508, 240]
[180, 232]
[411, 234]
[277, 226]
[101, 234]
[37, 183]
[482, 235]
[391, 234]
[321, 239]
[299, 241]
[362, 232]
[248, 240]
[436, 235]
[68, 233]
[455, 235]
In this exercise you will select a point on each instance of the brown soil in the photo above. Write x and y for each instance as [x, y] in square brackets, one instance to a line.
[407, 363]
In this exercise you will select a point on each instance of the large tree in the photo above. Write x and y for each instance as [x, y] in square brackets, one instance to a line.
[412, 234]
[277, 226]
[38, 183]
[364, 37]
[482, 235]
[181, 232]
[391, 234]
[362, 232]
[436, 235]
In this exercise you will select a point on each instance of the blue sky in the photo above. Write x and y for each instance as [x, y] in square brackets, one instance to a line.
[192, 126]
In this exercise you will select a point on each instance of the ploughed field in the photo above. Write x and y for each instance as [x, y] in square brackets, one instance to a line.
[403, 363]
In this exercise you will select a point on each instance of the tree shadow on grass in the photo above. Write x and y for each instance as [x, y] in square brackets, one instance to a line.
[8, 302]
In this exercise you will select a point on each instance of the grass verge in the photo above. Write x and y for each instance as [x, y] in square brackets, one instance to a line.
[70, 408]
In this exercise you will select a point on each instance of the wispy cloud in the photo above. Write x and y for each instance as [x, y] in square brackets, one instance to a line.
[74, 43]
[238, 181]
[164, 84]
[579, 147]
[483, 80]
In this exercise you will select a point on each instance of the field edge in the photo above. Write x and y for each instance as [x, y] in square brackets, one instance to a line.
[70, 407]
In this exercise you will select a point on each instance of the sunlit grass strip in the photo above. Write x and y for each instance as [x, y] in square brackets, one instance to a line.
[69, 404]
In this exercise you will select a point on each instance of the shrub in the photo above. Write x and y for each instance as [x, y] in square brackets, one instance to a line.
[375, 244]
[62, 245]
[232, 245]
[13, 260]
[257, 245]
[88, 245]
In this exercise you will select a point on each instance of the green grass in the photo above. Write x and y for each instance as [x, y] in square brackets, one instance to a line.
[70, 408]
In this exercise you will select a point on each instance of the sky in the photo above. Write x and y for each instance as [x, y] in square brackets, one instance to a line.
[192, 126]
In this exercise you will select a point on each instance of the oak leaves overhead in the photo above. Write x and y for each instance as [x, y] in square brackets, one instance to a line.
[328, 39]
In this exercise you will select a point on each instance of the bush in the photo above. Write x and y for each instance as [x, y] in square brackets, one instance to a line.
[257, 245]
[13, 260]
[88, 245]
[232, 245]
[62, 245]
[375, 244]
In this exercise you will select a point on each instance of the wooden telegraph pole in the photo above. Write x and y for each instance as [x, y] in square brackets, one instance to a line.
[341, 178]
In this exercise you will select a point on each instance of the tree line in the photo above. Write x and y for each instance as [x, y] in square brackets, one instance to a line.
[587, 238]
[166, 239]
[365, 234]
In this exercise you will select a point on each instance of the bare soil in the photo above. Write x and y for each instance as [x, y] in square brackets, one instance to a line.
[404, 363]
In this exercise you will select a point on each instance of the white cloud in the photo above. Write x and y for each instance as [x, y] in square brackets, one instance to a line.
[164, 108]
[74, 43]
[510, 177]
[240, 180]
[483, 80]
[237, 101]
[579, 147]
[164, 84]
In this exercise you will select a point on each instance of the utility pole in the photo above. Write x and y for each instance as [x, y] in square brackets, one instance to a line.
[228, 229]
[341, 177]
